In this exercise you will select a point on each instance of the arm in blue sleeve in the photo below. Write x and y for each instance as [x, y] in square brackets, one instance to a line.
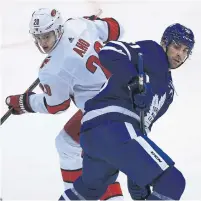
[155, 59]
[116, 57]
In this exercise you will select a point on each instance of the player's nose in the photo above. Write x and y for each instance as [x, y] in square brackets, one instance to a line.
[43, 42]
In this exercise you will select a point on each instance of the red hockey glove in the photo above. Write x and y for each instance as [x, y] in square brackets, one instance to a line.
[19, 103]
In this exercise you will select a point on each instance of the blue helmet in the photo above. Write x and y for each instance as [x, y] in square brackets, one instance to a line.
[179, 34]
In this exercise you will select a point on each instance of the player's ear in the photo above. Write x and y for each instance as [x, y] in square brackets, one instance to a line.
[162, 43]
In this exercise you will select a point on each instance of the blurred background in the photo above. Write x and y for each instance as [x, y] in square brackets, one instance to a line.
[29, 163]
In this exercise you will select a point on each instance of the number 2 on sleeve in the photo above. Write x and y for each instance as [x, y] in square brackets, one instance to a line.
[94, 61]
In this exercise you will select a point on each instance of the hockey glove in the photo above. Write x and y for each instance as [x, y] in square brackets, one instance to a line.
[19, 103]
[141, 100]
[92, 17]
[137, 192]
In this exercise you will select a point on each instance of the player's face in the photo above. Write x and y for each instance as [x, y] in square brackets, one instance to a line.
[46, 40]
[177, 54]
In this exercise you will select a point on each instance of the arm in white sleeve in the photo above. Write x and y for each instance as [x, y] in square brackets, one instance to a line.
[109, 29]
[36, 102]
[55, 98]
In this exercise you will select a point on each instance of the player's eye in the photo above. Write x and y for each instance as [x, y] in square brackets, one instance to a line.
[37, 37]
[46, 37]
[186, 50]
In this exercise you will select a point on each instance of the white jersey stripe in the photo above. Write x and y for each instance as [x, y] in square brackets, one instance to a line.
[113, 49]
[124, 47]
[95, 113]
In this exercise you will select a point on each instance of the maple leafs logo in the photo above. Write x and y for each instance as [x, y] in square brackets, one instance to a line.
[156, 105]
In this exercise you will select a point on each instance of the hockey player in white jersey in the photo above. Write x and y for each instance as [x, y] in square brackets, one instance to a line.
[70, 72]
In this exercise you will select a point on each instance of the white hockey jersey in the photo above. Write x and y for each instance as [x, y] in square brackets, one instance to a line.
[72, 71]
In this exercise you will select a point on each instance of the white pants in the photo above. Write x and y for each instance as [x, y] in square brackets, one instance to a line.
[70, 158]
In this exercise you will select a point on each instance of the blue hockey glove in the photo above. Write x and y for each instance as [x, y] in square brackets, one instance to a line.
[142, 101]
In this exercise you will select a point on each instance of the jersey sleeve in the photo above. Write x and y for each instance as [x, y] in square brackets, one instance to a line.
[109, 29]
[116, 58]
[122, 58]
[155, 58]
[55, 98]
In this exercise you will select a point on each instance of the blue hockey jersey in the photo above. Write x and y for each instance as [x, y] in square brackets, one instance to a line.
[114, 102]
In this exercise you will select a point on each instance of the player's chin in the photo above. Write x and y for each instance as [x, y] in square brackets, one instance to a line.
[174, 65]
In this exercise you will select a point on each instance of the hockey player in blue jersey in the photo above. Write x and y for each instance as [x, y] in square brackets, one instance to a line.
[111, 136]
